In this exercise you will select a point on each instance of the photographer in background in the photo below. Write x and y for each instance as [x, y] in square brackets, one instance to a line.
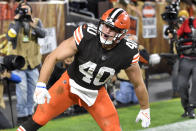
[23, 32]
[174, 17]
[187, 68]
[182, 16]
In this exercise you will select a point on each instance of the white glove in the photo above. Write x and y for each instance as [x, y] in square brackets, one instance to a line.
[41, 94]
[144, 115]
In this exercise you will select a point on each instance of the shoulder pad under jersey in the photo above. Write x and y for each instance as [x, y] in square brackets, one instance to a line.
[133, 47]
[85, 31]
[131, 44]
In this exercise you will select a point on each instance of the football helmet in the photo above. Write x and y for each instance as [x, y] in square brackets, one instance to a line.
[117, 20]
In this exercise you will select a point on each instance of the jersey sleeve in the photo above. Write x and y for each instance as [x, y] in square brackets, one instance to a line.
[84, 33]
[135, 58]
[132, 55]
[78, 35]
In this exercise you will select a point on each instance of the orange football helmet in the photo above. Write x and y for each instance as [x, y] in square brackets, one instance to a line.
[118, 20]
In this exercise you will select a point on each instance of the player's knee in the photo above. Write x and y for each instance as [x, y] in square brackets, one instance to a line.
[42, 116]
[41, 120]
[111, 125]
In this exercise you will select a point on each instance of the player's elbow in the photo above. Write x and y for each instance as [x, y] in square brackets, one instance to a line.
[51, 57]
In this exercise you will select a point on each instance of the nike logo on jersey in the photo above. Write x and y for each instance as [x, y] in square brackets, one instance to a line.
[64, 81]
[103, 57]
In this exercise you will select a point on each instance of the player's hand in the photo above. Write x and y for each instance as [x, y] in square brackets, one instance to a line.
[41, 94]
[33, 23]
[17, 16]
[144, 115]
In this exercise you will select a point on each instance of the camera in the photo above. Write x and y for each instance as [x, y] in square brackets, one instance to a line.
[24, 16]
[11, 62]
[23, 11]
[171, 12]
[171, 16]
[181, 20]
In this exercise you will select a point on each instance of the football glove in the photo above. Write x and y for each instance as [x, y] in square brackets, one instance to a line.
[41, 94]
[144, 115]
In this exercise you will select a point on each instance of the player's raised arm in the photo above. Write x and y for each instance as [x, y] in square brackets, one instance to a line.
[66, 49]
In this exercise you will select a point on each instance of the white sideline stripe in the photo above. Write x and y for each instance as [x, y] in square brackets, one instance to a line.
[188, 125]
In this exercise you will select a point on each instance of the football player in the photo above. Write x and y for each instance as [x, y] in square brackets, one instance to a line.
[100, 52]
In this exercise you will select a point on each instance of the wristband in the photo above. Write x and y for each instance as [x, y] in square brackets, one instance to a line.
[41, 85]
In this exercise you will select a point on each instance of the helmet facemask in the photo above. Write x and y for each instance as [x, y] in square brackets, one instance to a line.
[106, 40]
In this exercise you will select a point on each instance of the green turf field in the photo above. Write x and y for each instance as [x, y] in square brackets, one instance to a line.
[164, 112]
